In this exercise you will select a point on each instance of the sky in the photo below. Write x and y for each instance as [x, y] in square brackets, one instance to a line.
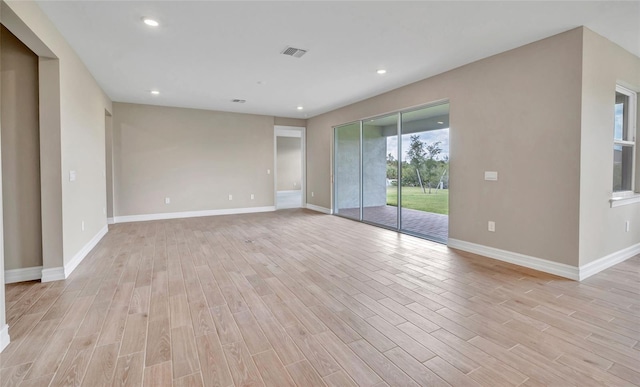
[429, 137]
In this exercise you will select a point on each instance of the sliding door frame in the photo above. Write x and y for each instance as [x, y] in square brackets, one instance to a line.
[360, 122]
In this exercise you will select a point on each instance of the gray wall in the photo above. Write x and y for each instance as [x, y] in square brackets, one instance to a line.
[289, 161]
[20, 154]
[72, 110]
[195, 157]
[602, 228]
[108, 135]
[517, 113]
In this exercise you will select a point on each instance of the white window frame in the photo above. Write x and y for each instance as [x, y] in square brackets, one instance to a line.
[628, 196]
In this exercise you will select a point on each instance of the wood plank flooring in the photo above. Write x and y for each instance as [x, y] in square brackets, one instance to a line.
[300, 298]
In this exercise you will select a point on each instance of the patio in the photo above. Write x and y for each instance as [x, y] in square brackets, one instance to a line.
[432, 226]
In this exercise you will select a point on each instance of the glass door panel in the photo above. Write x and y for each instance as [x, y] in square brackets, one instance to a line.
[347, 171]
[424, 193]
[379, 170]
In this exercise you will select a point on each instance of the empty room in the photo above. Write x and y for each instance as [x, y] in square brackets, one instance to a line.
[319, 193]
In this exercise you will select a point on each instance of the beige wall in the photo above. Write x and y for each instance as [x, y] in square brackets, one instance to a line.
[289, 161]
[108, 134]
[195, 157]
[81, 115]
[517, 113]
[602, 228]
[284, 121]
[20, 154]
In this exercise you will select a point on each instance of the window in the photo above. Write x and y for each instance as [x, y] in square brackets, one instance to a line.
[624, 145]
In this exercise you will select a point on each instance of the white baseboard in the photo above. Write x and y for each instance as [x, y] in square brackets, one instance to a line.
[190, 214]
[110, 221]
[80, 255]
[560, 269]
[324, 210]
[53, 274]
[63, 272]
[21, 275]
[607, 261]
[4, 337]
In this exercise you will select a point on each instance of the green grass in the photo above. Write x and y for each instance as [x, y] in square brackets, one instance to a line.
[414, 198]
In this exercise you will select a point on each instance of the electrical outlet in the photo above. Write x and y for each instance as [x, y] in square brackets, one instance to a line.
[312, 193]
[253, 196]
[72, 175]
[491, 225]
[167, 200]
[82, 225]
[268, 171]
[627, 226]
[491, 175]
[230, 197]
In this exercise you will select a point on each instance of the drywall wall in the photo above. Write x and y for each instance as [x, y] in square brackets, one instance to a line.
[197, 158]
[284, 121]
[108, 135]
[81, 113]
[602, 228]
[517, 113]
[20, 154]
[289, 162]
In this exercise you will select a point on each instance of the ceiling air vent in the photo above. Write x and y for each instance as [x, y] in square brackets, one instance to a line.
[239, 100]
[294, 52]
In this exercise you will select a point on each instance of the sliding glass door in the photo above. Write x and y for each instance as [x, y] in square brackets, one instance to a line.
[393, 171]
[425, 172]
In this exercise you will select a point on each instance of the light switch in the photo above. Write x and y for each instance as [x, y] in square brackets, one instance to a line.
[72, 175]
[491, 175]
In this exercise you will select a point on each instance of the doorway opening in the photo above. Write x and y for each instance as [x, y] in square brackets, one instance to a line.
[289, 174]
[393, 171]
[21, 177]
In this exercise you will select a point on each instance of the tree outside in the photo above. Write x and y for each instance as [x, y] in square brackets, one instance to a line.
[425, 179]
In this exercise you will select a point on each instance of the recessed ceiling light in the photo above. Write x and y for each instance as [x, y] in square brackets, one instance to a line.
[155, 92]
[150, 22]
[300, 108]
[440, 122]
[381, 71]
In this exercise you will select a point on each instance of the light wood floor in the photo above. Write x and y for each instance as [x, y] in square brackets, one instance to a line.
[299, 298]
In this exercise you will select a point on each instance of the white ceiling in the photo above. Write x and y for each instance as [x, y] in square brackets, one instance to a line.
[206, 53]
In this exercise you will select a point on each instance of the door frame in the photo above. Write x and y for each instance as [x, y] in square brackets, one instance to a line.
[290, 131]
[334, 187]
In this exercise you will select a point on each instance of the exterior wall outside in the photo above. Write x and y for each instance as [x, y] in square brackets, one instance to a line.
[374, 171]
